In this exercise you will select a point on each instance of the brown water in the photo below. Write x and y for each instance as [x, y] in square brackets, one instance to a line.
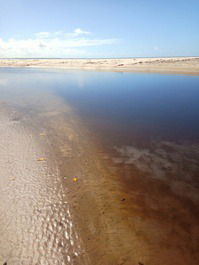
[133, 142]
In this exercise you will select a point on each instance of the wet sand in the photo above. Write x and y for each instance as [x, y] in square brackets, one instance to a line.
[181, 65]
[111, 214]
[35, 216]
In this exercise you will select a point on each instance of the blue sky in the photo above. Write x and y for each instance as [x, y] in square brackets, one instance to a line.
[105, 28]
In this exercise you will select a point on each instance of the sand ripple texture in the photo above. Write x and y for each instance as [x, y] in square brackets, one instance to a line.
[35, 221]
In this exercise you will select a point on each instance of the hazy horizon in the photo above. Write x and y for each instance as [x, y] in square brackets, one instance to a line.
[92, 58]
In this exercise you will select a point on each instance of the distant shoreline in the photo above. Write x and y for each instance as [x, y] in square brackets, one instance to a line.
[173, 65]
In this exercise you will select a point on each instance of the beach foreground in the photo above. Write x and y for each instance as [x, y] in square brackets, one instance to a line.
[182, 65]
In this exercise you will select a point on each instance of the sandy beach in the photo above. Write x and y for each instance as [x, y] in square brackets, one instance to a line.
[99, 132]
[180, 65]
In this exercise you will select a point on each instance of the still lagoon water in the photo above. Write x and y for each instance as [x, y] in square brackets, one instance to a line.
[146, 127]
[121, 106]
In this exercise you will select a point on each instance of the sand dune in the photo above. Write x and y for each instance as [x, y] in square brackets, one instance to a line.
[182, 65]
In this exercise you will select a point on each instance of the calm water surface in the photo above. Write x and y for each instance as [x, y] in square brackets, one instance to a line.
[120, 106]
[147, 125]
[131, 115]
[126, 106]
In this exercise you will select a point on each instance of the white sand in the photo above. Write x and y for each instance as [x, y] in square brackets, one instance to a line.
[183, 65]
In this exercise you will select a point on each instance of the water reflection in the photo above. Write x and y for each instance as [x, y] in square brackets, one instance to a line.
[119, 106]
[128, 105]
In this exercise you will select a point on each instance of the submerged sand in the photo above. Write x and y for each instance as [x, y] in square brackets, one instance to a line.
[110, 215]
[182, 65]
[36, 225]
[117, 212]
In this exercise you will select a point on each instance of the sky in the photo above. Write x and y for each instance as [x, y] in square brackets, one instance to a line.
[98, 28]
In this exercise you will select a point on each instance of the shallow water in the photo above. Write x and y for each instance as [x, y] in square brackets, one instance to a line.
[36, 224]
[147, 130]
[124, 106]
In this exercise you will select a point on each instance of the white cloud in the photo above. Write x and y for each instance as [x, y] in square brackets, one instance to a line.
[61, 34]
[51, 44]
[42, 35]
[81, 32]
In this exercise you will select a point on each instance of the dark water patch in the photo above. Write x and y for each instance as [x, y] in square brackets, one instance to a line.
[118, 108]
[151, 105]
[126, 107]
